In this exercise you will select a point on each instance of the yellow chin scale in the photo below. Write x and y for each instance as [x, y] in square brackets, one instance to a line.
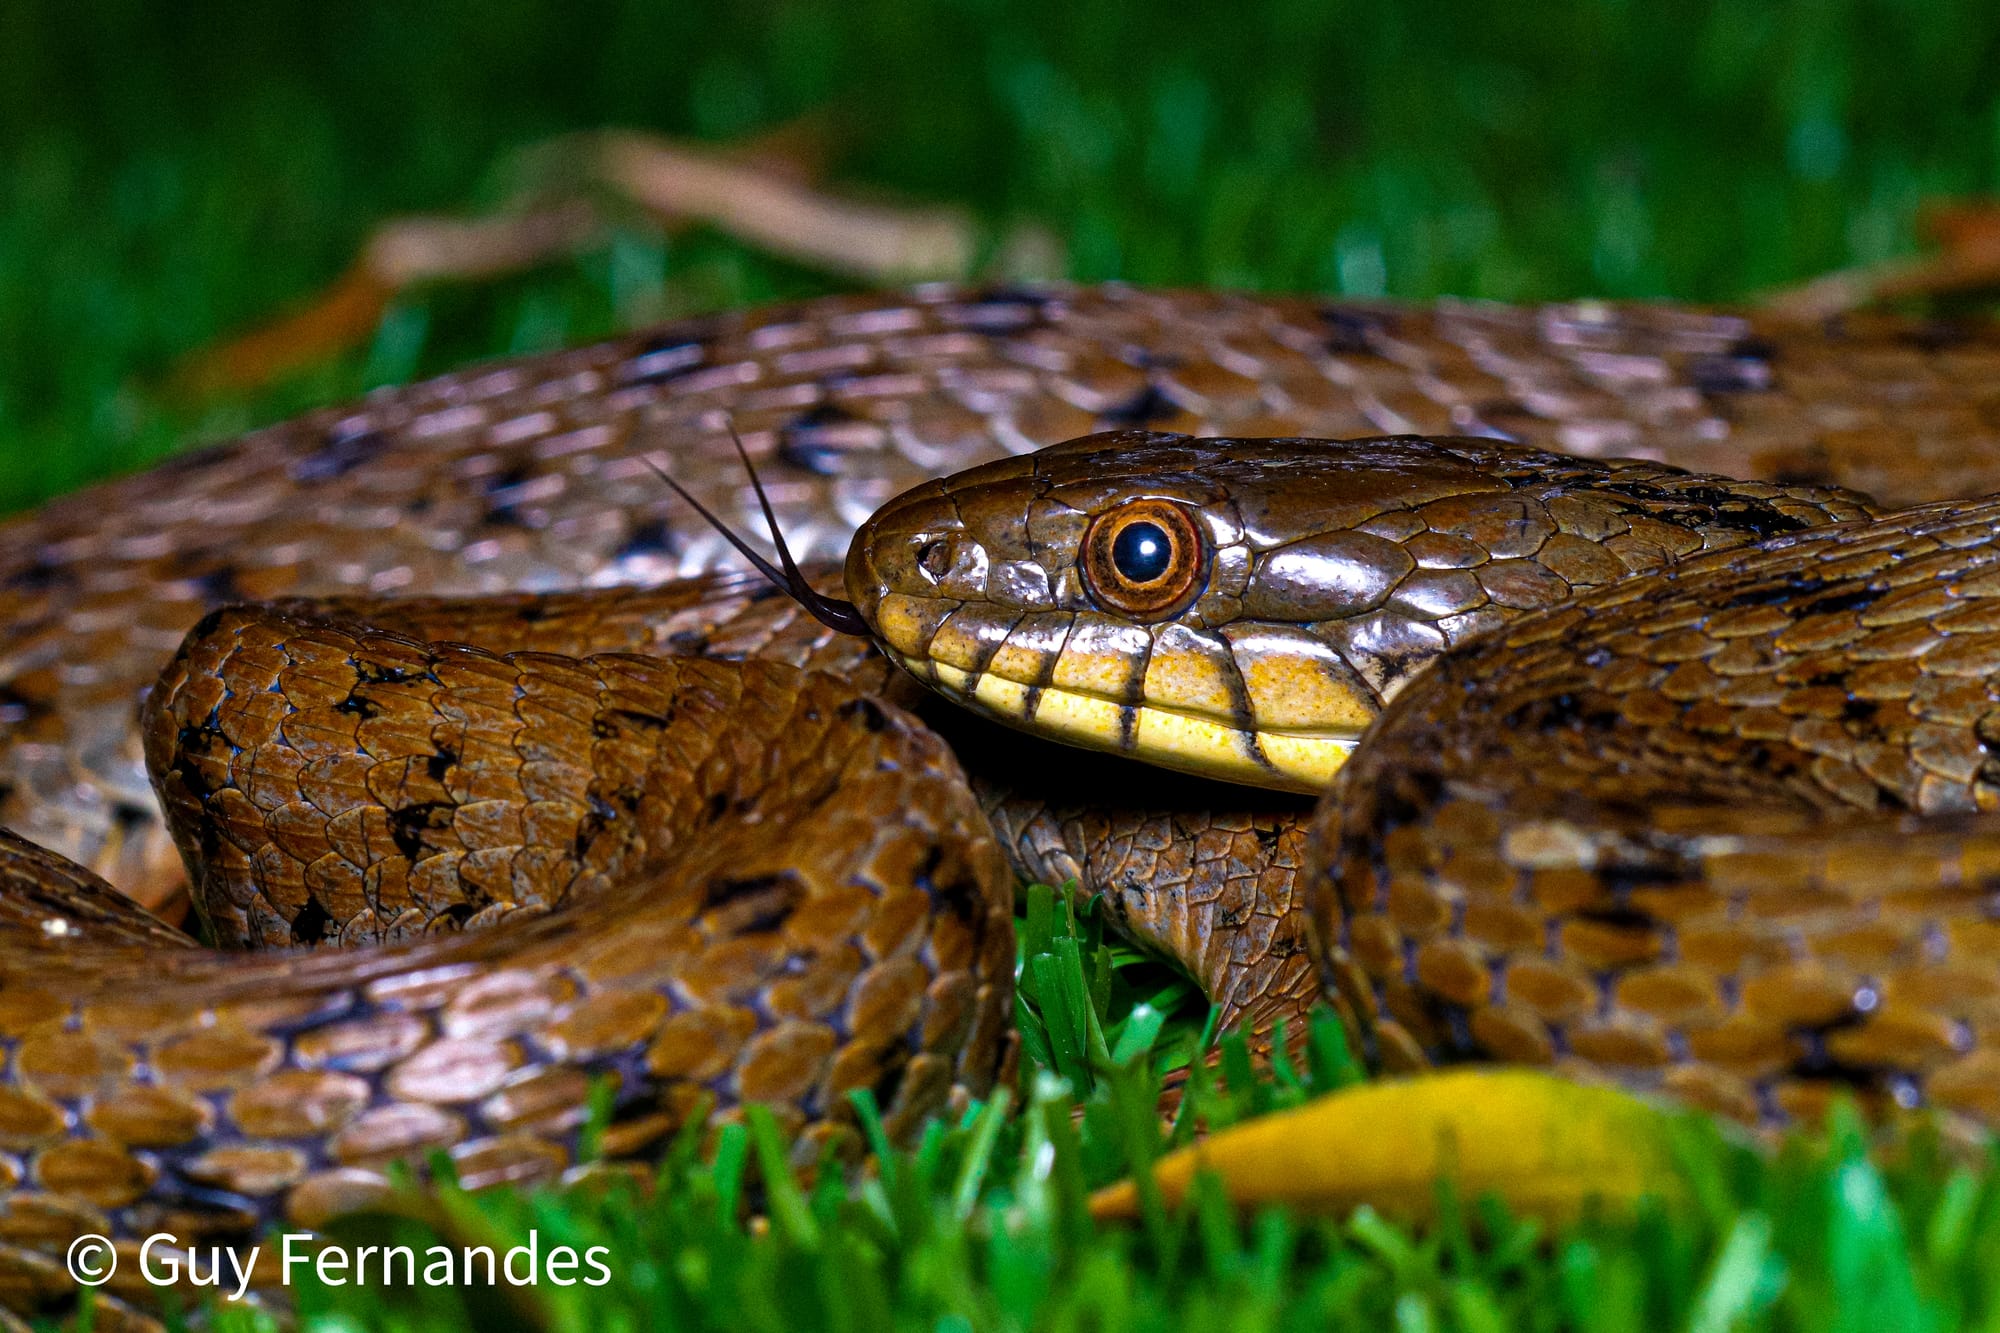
[1303, 761]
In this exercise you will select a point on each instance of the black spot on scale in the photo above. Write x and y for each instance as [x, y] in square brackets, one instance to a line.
[808, 441]
[1744, 368]
[380, 673]
[1012, 294]
[895, 1061]
[723, 891]
[757, 904]
[1287, 946]
[601, 816]
[1001, 309]
[439, 764]
[1143, 408]
[1621, 917]
[219, 586]
[502, 504]
[39, 575]
[223, 1214]
[1794, 585]
[1854, 599]
[16, 707]
[312, 923]
[343, 449]
[959, 896]
[668, 354]
[408, 825]
[1622, 877]
[1740, 514]
[647, 537]
[192, 744]
[1458, 1023]
[130, 818]
[1866, 1080]
[354, 705]
[1718, 508]
[1815, 1061]
[1352, 330]
[873, 719]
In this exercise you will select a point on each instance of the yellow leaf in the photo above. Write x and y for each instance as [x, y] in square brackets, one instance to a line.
[1543, 1144]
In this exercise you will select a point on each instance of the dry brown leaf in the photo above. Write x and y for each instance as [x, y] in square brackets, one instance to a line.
[761, 190]
[1967, 234]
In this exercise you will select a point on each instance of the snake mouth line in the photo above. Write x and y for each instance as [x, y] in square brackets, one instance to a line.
[1187, 742]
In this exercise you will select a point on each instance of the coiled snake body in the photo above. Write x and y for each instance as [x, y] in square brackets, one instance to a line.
[1703, 807]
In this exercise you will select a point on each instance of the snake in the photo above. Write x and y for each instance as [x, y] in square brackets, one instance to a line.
[1595, 685]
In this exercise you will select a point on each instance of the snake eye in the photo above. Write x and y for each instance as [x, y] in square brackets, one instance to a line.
[1142, 552]
[1146, 558]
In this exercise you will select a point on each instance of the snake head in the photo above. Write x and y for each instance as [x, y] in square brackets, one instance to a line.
[1215, 606]
[1243, 608]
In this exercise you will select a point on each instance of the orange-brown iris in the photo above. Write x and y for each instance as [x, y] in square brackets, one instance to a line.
[1146, 559]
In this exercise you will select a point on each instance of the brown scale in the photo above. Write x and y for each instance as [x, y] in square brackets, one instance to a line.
[704, 903]
[1342, 548]
[397, 786]
[1727, 830]
[527, 475]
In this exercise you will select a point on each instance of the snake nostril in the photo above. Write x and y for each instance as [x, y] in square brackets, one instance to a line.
[934, 558]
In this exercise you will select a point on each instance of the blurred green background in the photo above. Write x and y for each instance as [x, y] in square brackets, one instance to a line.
[174, 173]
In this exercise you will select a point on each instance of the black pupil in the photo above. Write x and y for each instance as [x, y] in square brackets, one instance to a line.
[1141, 552]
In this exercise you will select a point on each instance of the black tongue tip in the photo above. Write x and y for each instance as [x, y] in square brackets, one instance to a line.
[837, 614]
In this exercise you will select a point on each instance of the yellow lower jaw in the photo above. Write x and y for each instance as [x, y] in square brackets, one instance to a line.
[1187, 743]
